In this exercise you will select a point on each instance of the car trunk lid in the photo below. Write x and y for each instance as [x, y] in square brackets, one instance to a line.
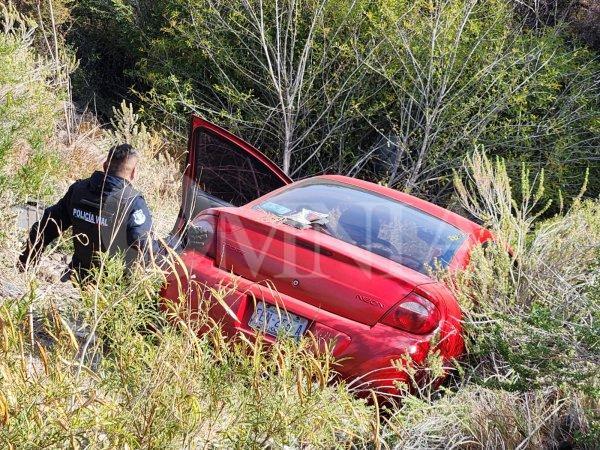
[312, 266]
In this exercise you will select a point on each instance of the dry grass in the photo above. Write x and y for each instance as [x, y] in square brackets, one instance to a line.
[119, 384]
[476, 417]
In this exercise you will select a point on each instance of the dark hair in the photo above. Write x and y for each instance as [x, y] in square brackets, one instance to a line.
[118, 156]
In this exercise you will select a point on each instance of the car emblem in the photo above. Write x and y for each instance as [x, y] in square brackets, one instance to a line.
[295, 283]
[370, 301]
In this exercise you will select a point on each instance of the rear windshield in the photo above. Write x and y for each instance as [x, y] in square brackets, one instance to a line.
[375, 223]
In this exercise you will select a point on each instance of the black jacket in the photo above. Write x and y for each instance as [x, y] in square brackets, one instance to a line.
[106, 214]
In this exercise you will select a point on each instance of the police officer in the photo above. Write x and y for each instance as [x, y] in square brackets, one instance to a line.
[107, 215]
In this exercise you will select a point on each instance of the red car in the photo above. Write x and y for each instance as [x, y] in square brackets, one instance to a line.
[343, 259]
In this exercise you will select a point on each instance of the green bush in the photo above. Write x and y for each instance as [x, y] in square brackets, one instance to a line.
[463, 72]
[391, 91]
[296, 92]
[532, 312]
[29, 107]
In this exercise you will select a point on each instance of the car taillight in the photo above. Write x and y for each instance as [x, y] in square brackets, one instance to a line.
[414, 314]
[201, 235]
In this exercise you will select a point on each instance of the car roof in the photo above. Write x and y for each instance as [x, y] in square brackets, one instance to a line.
[450, 217]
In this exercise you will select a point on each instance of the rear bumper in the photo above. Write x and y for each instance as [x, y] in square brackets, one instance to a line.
[366, 352]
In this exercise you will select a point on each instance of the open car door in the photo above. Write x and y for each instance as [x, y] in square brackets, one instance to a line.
[223, 170]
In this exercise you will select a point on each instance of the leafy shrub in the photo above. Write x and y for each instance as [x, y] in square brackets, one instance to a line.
[469, 72]
[29, 107]
[531, 313]
[391, 91]
[282, 74]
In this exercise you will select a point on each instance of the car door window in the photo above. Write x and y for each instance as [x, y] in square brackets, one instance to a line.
[228, 172]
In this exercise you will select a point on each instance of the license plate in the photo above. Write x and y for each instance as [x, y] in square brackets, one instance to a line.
[274, 321]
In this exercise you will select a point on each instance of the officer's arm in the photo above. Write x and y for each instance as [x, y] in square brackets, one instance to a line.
[139, 229]
[55, 220]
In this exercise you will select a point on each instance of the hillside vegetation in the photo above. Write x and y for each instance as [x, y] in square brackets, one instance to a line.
[394, 91]
[491, 107]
